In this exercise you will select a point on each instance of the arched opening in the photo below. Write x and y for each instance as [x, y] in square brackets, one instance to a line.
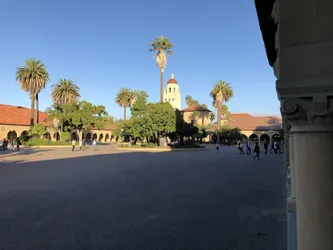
[112, 137]
[12, 135]
[243, 137]
[94, 137]
[107, 137]
[253, 138]
[47, 135]
[88, 137]
[100, 138]
[25, 135]
[276, 137]
[56, 136]
[264, 138]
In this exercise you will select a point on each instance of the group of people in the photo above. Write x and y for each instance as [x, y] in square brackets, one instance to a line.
[275, 147]
[5, 142]
[82, 143]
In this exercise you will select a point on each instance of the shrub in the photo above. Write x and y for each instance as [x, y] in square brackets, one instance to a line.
[65, 136]
[43, 142]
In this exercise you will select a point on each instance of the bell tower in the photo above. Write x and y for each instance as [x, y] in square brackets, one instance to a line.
[171, 93]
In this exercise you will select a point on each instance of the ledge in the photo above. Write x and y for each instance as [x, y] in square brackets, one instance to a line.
[47, 146]
[160, 149]
[291, 204]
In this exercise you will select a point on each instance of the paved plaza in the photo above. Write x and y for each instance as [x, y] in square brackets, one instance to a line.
[56, 199]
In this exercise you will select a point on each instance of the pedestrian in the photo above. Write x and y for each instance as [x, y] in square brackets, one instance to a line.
[257, 151]
[94, 143]
[73, 144]
[241, 151]
[248, 148]
[80, 144]
[275, 147]
[12, 145]
[278, 148]
[266, 147]
[217, 148]
[18, 144]
[272, 147]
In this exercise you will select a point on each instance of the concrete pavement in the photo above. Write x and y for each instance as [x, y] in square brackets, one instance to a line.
[106, 199]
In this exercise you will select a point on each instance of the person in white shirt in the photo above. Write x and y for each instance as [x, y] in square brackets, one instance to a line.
[73, 144]
[80, 144]
[94, 143]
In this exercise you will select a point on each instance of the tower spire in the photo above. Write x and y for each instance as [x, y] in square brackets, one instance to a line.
[172, 76]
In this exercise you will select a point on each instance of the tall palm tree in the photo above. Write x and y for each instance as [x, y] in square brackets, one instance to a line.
[162, 46]
[221, 92]
[125, 98]
[32, 78]
[65, 92]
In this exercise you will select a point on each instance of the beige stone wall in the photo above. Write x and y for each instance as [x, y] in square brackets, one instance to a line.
[270, 133]
[203, 119]
[4, 130]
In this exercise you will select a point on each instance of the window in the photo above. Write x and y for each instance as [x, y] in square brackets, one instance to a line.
[166, 99]
[169, 99]
[169, 90]
[174, 90]
[173, 99]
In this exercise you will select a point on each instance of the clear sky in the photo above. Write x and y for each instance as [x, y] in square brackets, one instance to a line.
[103, 45]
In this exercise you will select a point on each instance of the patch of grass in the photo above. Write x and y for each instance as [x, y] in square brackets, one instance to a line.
[44, 142]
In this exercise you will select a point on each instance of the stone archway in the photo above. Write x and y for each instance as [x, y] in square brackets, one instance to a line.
[56, 136]
[107, 137]
[12, 135]
[100, 138]
[94, 136]
[25, 135]
[276, 137]
[88, 136]
[264, 138]
[243, 137]
[254, 138]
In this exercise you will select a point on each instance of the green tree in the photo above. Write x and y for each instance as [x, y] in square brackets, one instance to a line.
[190, 101]
[163, 118]
[38, 130]
[162, 46]
[32, 78]
[65, 92]
[139, 107]
[125, 98]
[83, 115]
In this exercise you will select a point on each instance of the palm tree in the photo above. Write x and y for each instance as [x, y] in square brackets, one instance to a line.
[221, 92]
[125, 98]
[162, 46]
[32, 78]
[65, 92]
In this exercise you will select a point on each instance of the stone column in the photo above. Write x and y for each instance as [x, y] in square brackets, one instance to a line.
[291, 202]
[304, 43]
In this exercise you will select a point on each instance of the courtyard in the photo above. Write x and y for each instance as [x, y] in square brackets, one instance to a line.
[109, 199]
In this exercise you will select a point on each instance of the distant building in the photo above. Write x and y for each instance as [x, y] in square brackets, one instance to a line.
[171, 93]
[15, 122]
[263, 128]
[202, 119]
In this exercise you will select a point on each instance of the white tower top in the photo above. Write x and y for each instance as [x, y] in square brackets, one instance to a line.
[171, 93]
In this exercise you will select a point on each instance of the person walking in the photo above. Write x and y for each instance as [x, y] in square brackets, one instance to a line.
[73, 144]
[94, 143]
[257, 151]
[266, 147]
[217, 148]
[248, 148]
[80, 144]
[272, 147]
[18, 143]
[12, 145]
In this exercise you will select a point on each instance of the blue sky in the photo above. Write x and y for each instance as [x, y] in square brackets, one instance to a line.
[103, 45]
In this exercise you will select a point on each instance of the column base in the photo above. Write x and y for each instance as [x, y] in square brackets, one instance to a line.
[291, 204]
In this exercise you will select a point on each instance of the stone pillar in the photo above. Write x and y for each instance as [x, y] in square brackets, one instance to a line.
[304, 43]
[291, 203]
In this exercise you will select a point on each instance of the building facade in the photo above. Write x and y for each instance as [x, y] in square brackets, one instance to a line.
[15, 122]
[171, 93]
[197, 115]
[298, 38]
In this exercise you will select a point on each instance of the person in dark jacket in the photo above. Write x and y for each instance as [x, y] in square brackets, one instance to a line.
[257, 151]
[266, 147]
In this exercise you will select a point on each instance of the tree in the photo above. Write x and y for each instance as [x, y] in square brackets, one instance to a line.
[221, 92]
[190, 101]
[125, 98]
[162, 46]
[139, 107]
[65, 92]
[38, 129]
[83, 115]
[32, 78]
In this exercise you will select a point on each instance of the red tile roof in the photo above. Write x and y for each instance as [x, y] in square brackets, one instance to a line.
[195, 108]
[172, 81]
[17, 115]
[249, 122]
